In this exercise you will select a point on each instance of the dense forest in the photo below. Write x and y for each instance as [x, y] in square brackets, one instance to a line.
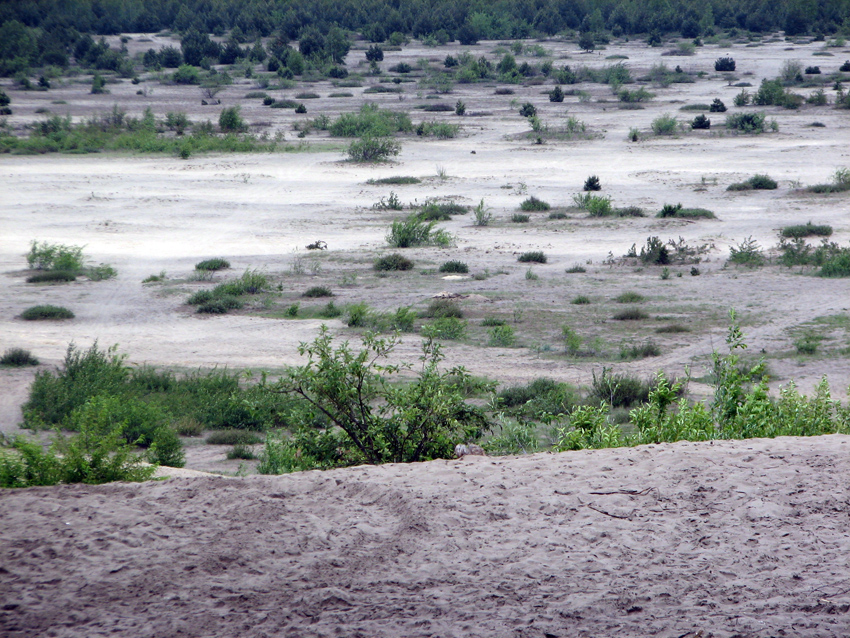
[452, 19]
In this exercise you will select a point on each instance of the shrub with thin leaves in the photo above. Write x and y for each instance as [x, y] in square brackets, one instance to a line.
[392, 262]
[18, 358]
[534, 204]
[212, 264]
[46, 312]
[534, 256]
[454, 266]
[373, 149]
[413, 231]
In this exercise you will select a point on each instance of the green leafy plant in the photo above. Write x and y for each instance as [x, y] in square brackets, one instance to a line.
[369, 417]
[806, 230]
[394, 261]
[665, 124]
[534, 204]
[519, 218]
[592, 184]
[534, 256]
[317, 291]
[373, 149]
[454, 267]
[212, 264]
[756, 182]
[18, 358]
[412, 231]
[46, 311]
[482, 214]
[501, 336]
[747, 253]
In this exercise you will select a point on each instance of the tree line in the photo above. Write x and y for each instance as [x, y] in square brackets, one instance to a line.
[49, 31]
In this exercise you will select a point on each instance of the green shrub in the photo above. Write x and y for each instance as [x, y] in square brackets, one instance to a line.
[442, 308]
[725, 64]
[357, 315]
[701, 122]
[445, 328]
[806, 230]
[577, 268]
[200, 297]
[501, 336]
[45, 256]
[519, 218]
[412, 231]
[592, 184]
[440, 130]
[454, 267]
[527, 110]
[233, 437]
[631, 314]
[746, 122]
[489, 322]
[230, 120]
[599, 206]
[837, 265]
[541, 396]
[670, 210]
[47, 311]
[52, 276]
[441, 211]
[373, 149]
[756, 182]
[317, 291]
[630, 297]
[534, 256]
[665, 124]
[241, 452]
[534, 204]
[840, 183]
[18, 358]
[83, 458]
[673, 328]
[212, 264]
[639, 351]
[558, 215]
[581, 300]
[398, 180]
[330, 311]
[747, 253]
[629, 211]
[717, 106]
[634, 96]
[393, 262]
[620, 390]
[371, 122]
[220, 305]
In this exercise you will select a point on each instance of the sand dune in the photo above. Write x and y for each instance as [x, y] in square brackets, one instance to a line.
[745, 538]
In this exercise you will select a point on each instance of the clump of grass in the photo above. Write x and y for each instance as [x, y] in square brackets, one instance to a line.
[212, 264]
[490, 322]
[840, 183]
[413, 231]
[747, 253]
[581, 300]
[575, 269]
[631, 314]
[673, 328]
[620, 390]
[317, 291]
[52, 276]
[756, 182]
[534, 204]
[242, 452]
[501, 337]
[233, 437]
[806, 230]
[558, 214]
[396, 180]
[36, 313]
[442, 308]
[670, 210]
[639, 351]
[629, 211]
[454, 267]
[220, 305]
[665, 124]
[519, 218]
[152, 279]
[630, 297]
[392, 262]
[534, 256]
[441, 211]
[449, 328]
[18, 358]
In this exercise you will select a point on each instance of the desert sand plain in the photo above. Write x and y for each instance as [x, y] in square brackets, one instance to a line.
[443, 548]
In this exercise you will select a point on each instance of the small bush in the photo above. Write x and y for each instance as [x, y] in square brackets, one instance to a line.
[449, 328]
[631, 314]
[241, 452]
[220, 305]
[673, 328]
[441, 308]
[373, 149]
[534, 204]
[837, 266]
[454, 267]
[501, 337]
[519, 218]
[581, 300]
[534, 256]
[398, 180]
[670, 210]
[330, 311]
[317, 291]
[701, 122]
[52, 276]
[233, 437]
[717, 106]
[639, 351]
[598, 206]
[18, 358]
[620, 390]
[575, 269]
[592, 184]
[392, 262]
[212, 264]
[746, 122]
[665, 124]
[558, 215]
[806, 230]
[725, 64]
[630, 297]
[45, 256]
[489, 322]
[527, 110]
[230, 120]
[46, 312]
[441, 211]
[747, 253]
[756, 182]
[413, 231]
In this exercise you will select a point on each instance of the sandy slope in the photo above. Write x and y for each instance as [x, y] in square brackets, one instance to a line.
[712, 539]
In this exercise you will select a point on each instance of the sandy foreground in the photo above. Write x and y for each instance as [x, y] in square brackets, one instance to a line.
[720, 539]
